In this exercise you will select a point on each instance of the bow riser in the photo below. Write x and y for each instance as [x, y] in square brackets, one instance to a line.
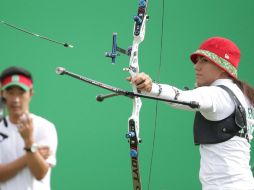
[133, 128]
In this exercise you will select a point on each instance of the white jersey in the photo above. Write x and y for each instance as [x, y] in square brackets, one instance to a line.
[223, 166]
[12, 147]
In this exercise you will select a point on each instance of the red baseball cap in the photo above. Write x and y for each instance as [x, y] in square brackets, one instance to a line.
[220, 51]
[16, 76]
[17, 80]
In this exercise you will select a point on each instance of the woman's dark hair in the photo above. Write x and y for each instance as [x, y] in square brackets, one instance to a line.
[247, 90]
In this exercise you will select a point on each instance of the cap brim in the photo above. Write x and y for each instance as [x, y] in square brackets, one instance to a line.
[24, 87]
[194, 56]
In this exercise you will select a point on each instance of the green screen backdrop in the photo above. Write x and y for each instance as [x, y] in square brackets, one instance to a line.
[93, 152]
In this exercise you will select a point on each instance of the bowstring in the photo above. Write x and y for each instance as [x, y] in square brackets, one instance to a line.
[156, 107]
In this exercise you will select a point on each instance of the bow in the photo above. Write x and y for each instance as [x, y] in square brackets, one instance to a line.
[133, 121]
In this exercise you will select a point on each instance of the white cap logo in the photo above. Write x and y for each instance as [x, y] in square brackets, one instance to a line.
[226, 56]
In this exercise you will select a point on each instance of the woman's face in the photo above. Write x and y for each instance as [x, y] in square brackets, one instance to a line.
[206, 71]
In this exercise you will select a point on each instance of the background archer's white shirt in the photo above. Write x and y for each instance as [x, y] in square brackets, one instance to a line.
[12, 148]
[223, 166]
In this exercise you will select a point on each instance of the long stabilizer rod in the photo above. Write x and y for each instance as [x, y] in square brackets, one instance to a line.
[118, 91]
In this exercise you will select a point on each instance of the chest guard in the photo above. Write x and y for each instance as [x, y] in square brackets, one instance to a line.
[211, 132]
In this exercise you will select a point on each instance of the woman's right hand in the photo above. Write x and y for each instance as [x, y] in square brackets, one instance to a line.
[142, 81]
